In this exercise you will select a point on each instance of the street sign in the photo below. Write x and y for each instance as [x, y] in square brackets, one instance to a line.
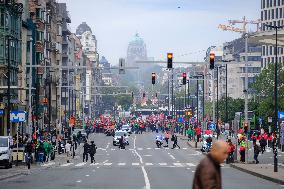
[212, 126]
[18, 116]
[1, 112]
[260, 120]
[280, 115]
[269, 119]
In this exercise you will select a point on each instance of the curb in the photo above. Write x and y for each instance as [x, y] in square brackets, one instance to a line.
[11, 176]
[258, 175]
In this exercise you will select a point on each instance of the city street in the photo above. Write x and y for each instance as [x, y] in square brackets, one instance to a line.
[141, 165]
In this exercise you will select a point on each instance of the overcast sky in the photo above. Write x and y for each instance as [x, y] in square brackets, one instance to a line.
[186, 31]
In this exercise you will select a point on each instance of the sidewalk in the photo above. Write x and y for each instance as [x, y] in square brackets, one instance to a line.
[264, 171]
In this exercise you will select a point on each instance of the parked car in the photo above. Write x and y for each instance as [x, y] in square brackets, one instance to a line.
[6, 143]
[126, 128]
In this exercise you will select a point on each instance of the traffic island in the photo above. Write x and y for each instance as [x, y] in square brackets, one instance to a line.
[264, 171]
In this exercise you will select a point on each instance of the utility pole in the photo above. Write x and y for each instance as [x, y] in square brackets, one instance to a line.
[30, 87]
[9, 84]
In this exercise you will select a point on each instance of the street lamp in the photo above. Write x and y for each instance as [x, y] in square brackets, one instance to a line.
[275, 91]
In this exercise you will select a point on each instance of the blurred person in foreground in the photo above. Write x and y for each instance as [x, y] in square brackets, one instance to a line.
[208, 172]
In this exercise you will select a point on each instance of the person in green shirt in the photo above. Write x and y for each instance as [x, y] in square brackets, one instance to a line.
[190, 133]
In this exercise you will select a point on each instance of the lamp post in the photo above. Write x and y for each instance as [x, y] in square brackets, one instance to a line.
[275, 93]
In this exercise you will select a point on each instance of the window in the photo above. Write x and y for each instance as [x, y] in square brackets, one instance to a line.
[270, 3]
[282, 2]
[38, 13]
[280, 12]
[274, 23]
[261, 15]
[278, 2]
[278, 22]
[265, 15]
[263, 50]
[2, 19]
[274, 3]
[277, 13]
[270, 50]
[263, 3]
[272, 14]
[268, 14]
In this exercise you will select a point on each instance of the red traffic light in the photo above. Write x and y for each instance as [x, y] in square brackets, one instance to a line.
[184, 78]
[212, 56]
[212, 61]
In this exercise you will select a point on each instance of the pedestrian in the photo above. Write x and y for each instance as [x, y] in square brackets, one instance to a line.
[40, 151]
[174, 139]
[86, 148]
[121, 143]
[256, 150]
[68, 148]
[167, 137]
[92, 151]
[208, 172]
[243, 150]
[262, 143]
[231, 151]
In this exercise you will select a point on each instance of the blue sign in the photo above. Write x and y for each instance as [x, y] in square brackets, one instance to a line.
[280, 115]
[1, 112]
[17, 116]
[212, 126]
[180, 120]
[260, 120]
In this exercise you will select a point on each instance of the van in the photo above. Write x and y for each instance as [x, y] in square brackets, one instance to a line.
[6, 144]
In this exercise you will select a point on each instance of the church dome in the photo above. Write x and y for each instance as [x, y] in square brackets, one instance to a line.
[137, 40]
[82, 28]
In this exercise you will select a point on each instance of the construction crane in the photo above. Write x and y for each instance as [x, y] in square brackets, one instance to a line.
[244, 21]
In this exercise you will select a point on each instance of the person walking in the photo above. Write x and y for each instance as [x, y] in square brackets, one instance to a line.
[92, 151]
[263, 144]
[175, 140]
[167, 137]
[243, 150]
[208, 172]
[256, 150]
[86, 148]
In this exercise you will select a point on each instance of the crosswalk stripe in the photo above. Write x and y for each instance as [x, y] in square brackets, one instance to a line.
[80, 164]
[47, 164]
[66, 164]
[149, 148]
[184, 148]
[135, 163]
[139, 148]
[121, 164]
[148, 163]
[112, 149]
[190, 164]
[177, 164]
[163, 164]
[108, 164]
[167, 148]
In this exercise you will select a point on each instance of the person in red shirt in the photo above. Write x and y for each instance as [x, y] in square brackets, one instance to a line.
[231, 151]
[198, 133]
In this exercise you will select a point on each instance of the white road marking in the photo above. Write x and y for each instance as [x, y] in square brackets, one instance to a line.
[101, 149]
[139, 148]
[112, 149]
[184, 148]
[107, 164]
[147, 155]
[188, 168]
[172, 157]
[66, 164]
[157, 148]
[121, 164]
[190, 164]
[107, 154]
[169, 153]
[162, 164]
[135, 163]
[47, 164]
[149, 148]
[148, 163]
[105, 161]
[167, 148]
[177, 164]
[87, 175]
[146, 179]
[79, 181]
[80, 164]
[193, 171]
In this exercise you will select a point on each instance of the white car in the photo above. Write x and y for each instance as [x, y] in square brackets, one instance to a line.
[126, 128]
[118, 135]
[6, 151]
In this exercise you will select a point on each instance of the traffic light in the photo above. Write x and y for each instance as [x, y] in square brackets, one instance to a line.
[144, 95]
[188, 112]
[156, 95]
[153, 78]
[212, 61]
[170, 60]
[132, 94]
[184, 78]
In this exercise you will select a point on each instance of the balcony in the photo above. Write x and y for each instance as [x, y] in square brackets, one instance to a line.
[39, 47]
[40, 24]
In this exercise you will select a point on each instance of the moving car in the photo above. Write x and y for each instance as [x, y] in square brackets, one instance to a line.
[117, 136]
[6, 144]
[126, 128]
[83, 132]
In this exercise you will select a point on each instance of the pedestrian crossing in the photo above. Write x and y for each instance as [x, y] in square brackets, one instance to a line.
[121, 164]
[140, 149]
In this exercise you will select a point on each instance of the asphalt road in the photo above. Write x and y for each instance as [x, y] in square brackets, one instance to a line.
[140, 166]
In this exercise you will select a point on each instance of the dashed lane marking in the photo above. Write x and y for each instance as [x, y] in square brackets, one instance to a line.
[66, 164]
[121, 164]
[139, 148]
[107, 164]
[190, 164]
[177, 164]
[135, 163]
[47, 164]
[163, 164]
[149, 148]
[148, 164]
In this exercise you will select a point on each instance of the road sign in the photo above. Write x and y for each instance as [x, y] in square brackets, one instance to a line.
[280, 115]
[269, 119]
[18, 116]
[1, 112]
[260, 120]
[212, 126]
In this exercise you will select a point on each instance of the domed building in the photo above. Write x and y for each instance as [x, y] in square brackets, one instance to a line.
[136, 50]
